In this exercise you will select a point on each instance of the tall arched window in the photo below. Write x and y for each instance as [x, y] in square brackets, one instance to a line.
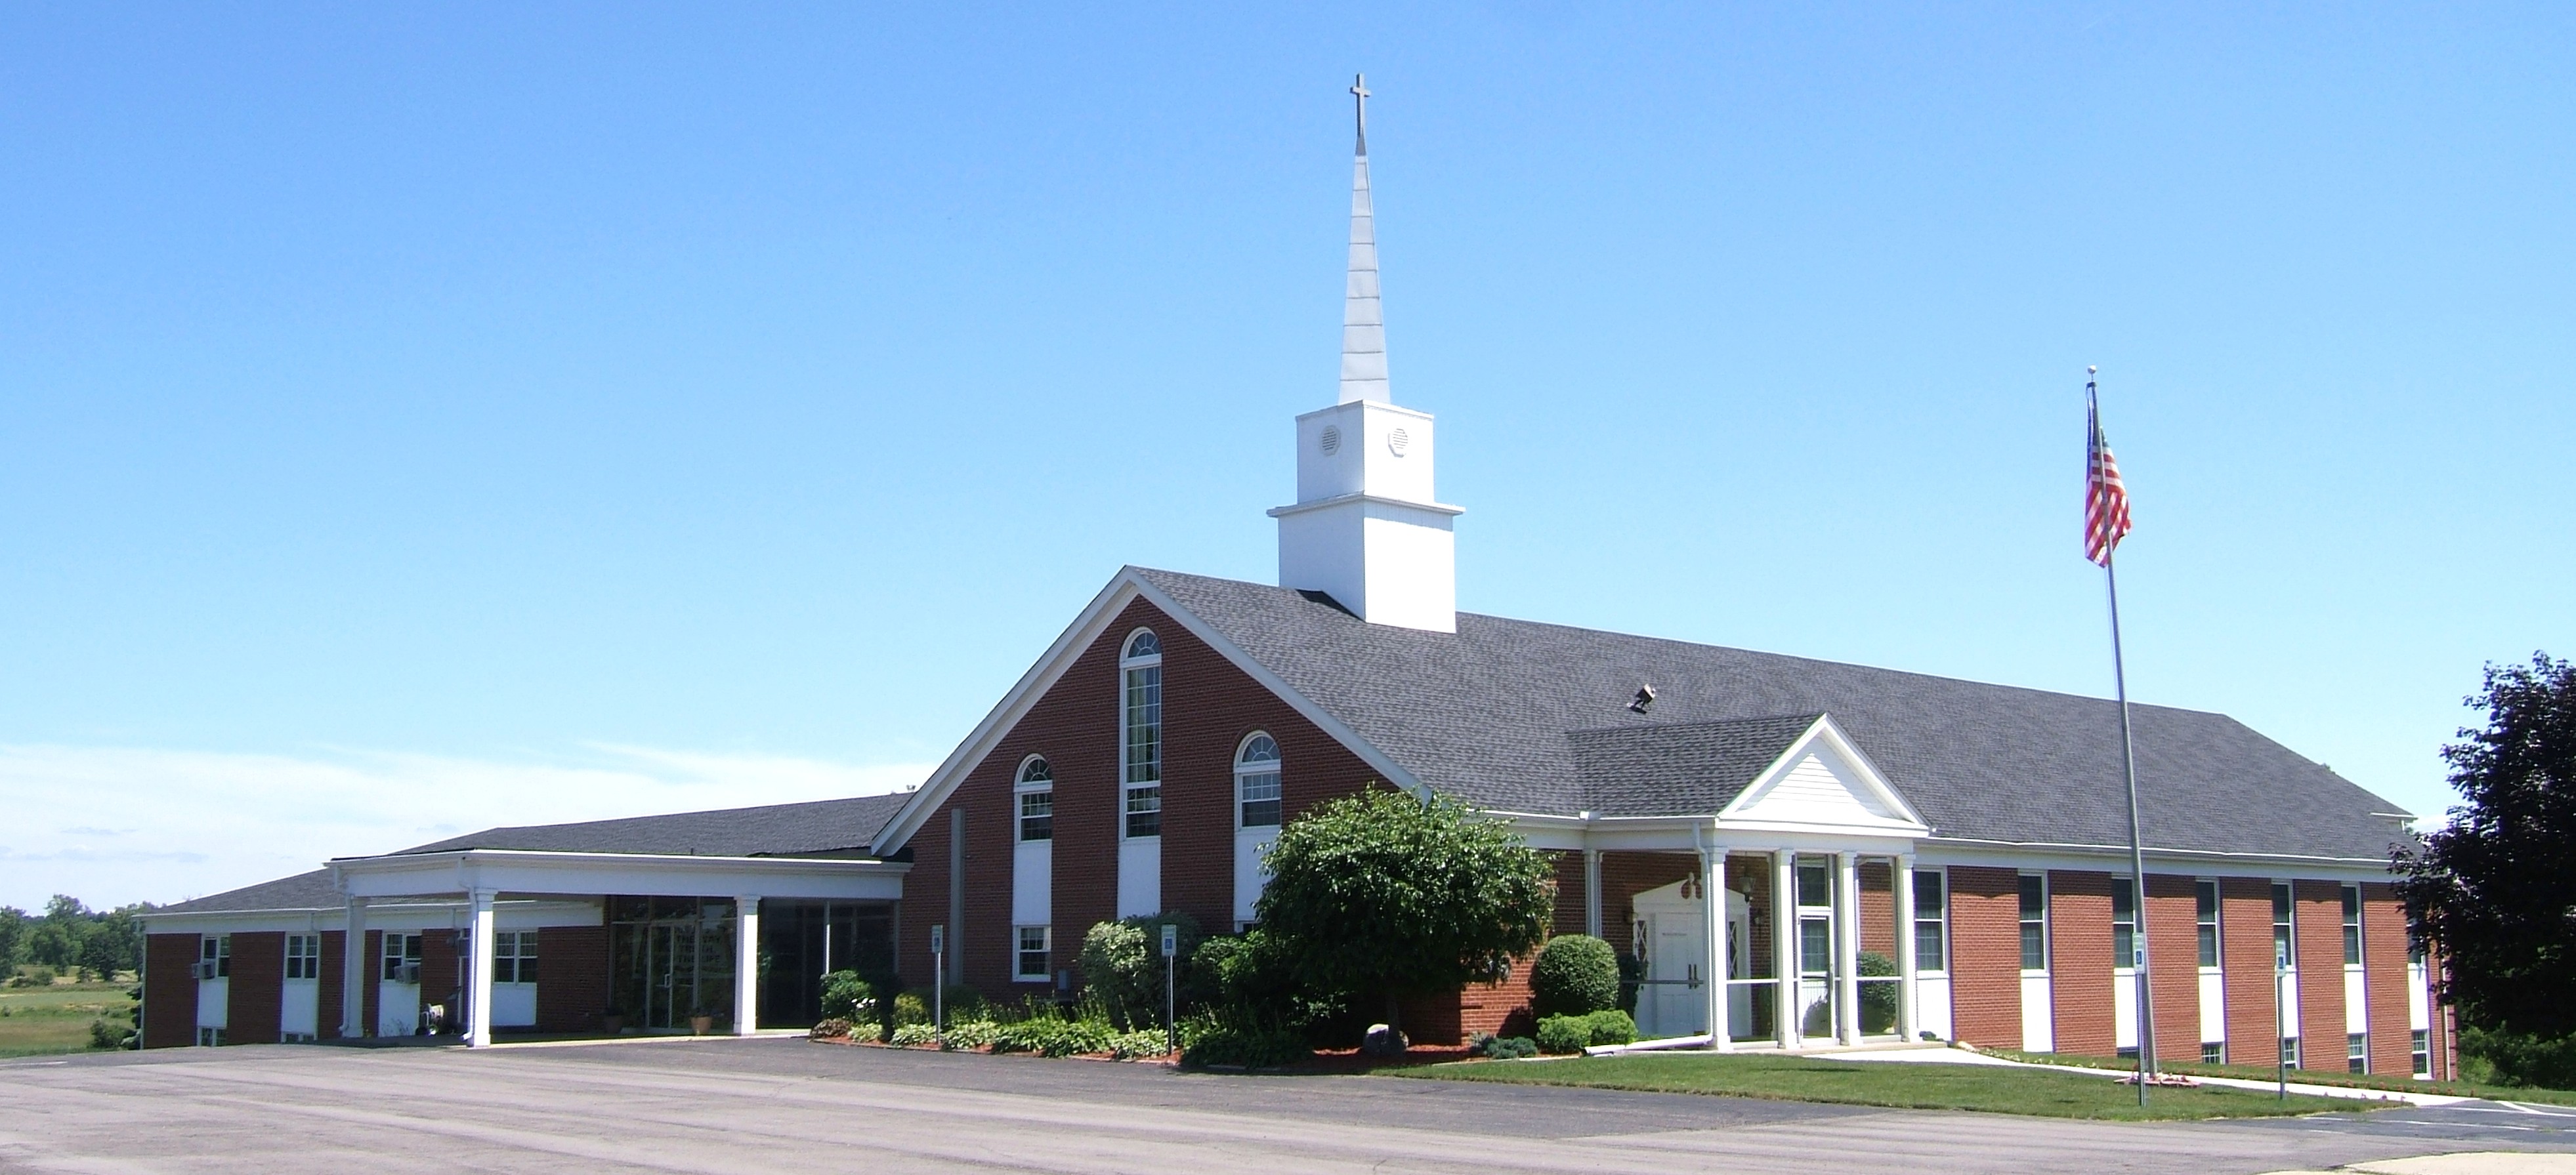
[1036, 788]
[1256, 783]
[1140, 753]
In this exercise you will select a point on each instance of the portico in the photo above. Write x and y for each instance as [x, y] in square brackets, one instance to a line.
[1812, 854]
[679, 958]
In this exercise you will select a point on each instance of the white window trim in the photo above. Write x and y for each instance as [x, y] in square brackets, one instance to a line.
[1047, 934]
[2217, 923]
[2047, 949]
[1022, 786]
[1125, 664]
[1275, 767]
[1914, 921]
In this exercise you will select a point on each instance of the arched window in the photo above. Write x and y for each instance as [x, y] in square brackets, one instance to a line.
[1256, 783]
[1036, 788]
[1140, 753]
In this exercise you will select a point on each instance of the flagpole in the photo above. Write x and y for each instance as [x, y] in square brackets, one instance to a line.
[2129, 769]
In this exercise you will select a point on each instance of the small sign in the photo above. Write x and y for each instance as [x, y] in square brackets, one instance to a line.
[1171, 940]
[938, 939]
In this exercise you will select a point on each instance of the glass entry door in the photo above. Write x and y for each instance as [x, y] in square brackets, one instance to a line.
[674, 961]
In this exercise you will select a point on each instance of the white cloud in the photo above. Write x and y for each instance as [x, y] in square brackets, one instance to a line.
[111, 825]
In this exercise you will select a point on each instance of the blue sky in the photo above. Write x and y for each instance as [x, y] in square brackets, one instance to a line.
[418, 418]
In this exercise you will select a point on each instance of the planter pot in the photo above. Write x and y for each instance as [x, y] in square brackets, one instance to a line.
[701, 1025]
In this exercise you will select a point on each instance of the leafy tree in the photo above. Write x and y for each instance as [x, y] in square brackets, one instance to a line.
[2495, 891]
[13, 937]
[1122, 963]
[54, 944]
[1385, 896]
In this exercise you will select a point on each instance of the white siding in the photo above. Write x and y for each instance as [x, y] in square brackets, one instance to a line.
[2038, 1016]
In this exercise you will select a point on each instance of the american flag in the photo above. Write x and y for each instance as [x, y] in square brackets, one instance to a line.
[2106, 501]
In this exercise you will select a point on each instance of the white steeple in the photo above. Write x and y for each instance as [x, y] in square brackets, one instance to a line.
[1363, 319]
[1366, 530]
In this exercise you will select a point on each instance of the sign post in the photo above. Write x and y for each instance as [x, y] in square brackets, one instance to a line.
[1171, 963]
[939, 979]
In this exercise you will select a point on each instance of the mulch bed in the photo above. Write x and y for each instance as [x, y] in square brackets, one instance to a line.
[1325, 1061]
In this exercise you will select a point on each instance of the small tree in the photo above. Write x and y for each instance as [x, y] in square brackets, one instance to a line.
[2495, 891]
[1122, 963]
[1385, 896]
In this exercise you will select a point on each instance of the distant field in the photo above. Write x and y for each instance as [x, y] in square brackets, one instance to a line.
[56, 1019]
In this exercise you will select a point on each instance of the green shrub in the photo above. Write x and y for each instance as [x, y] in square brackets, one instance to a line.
[913, 1035]
[1128, 1046]
[2508, 1058]
[1122, 962]
[1575, 975]
[104, 1035]
[1054, 1036]
[1501, 1048]
[1237, 1038]
[1611, 1026]
[910, 1009]
[33, 977]
[1877, 1000]
[828, 1028]
[1564, 1034]
[843, 992]
[970, 1034]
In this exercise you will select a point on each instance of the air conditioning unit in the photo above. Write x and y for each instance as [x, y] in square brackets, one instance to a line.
[407, 973]
[205, 969]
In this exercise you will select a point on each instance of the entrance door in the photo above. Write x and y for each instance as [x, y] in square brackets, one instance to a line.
[667, 998]
[1677, 969]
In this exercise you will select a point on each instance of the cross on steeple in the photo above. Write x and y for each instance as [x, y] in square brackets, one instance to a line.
[1360, 94]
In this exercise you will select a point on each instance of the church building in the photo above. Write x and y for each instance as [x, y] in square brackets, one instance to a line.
[1802, 854]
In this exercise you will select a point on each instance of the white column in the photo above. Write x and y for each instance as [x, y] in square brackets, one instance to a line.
[1847, 945]
[1907, 1018]
[478, 972]
[1592, 892]
[355, 966]
[746, 964]
[1784, 945]
[1713, 868]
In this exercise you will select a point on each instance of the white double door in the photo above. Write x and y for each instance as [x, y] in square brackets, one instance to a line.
[1674, 1000]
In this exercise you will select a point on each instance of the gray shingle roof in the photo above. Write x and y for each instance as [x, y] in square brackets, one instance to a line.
[1678, 766]
[817, 828]
[1485, 714]
[304, 891]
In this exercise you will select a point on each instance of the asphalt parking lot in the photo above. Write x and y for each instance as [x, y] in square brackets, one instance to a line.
[780, 1104]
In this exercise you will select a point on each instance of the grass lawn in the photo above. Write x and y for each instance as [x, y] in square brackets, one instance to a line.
[2515, 1093]
[1906, 1086]
[56, 1019]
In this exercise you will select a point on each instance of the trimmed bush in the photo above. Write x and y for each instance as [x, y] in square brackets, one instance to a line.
[1247, 1045]
[1559, 1035]
[910, 1008]
[1122, 963]
[1611, 1026]
[1575, 975]
[1501, 1048]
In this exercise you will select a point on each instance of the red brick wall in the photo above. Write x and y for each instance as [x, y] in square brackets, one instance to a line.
[2319, 926]
[332, 993]
[2245, 953]
[1878, 908]
[1567, 918]
[1985, 956]
[1209, 705]
[169, 990]
[2173, 964]
[2383, 954]
[2079, 962]
[1625, 875]
[572, 978]
[258, 987]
